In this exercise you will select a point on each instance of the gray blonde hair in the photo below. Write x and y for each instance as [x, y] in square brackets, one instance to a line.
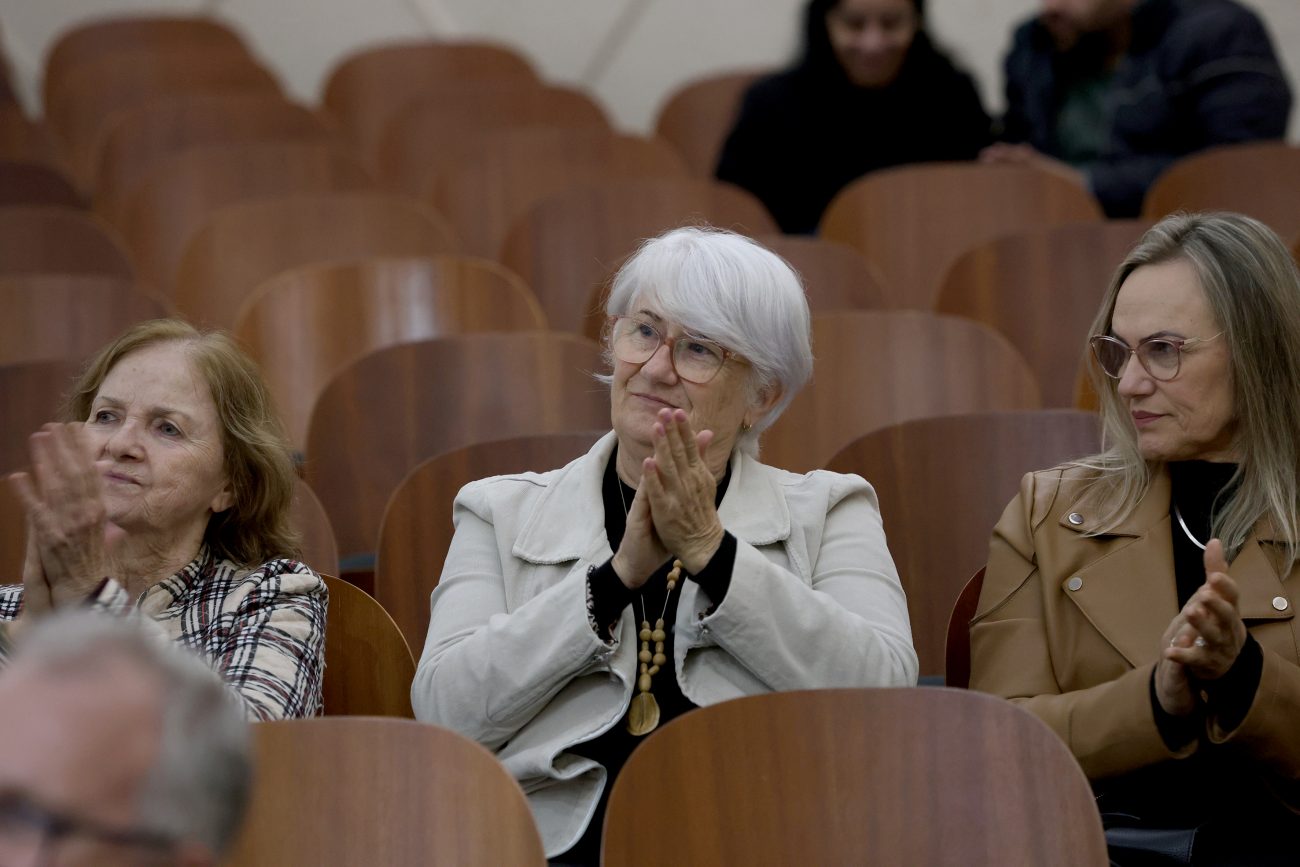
[1253, 287]
[200, 782]
[732, 290]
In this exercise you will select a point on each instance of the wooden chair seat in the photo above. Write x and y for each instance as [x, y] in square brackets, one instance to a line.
[368, 665]
[27, 183]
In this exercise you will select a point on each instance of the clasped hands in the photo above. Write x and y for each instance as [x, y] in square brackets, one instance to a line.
[673, 513]
[1203, 640]
[69, 536]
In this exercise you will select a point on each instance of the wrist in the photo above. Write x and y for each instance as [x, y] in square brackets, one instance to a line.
[698, 555]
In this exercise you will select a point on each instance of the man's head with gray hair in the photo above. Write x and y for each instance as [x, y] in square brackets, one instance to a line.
[116, 747]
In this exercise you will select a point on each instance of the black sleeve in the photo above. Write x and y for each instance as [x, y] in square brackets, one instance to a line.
[1231, 696]
[715, 578]
[607, 596]
[1176, 731]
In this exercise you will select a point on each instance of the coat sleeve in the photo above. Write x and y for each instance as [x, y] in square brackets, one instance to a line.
[486, 669]
[1110, 727]
[847, 627]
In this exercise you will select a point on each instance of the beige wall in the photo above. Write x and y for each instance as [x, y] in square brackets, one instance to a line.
[630, 53]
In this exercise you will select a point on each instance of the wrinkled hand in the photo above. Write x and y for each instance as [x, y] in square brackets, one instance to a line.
[69, 533]
[681, 491]
[640, 554]
[1003, 153]
[1213, 616]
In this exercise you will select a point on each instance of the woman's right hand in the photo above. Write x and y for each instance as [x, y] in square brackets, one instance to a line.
[1173, 684]
[640, 554]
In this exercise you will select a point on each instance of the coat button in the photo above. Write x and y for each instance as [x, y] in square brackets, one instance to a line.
[1280, 603]
[1074, 583]
[1074, 518]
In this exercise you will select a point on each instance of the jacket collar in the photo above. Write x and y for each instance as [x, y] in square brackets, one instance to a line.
[561, 526]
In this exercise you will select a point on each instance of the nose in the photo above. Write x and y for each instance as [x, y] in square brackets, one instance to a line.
[1135, 382]
[123, 442]
[660, 365]
[871, 39]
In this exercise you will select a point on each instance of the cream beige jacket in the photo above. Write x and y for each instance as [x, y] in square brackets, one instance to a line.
[1069, 626]
[512, 660]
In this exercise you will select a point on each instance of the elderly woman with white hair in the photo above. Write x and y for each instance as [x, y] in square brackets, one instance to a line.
[667, 568]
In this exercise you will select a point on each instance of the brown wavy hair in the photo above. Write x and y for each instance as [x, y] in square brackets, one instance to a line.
[257, 456]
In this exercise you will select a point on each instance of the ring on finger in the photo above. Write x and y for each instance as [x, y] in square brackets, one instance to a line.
[1199, 642]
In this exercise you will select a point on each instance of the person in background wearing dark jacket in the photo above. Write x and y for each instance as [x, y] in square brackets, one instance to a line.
[870, 91]
[1112, 92]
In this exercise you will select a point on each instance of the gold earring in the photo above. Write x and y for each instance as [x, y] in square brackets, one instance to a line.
[745, 427]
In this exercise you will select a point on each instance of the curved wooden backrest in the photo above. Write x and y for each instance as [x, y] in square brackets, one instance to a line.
[342, 311]
[942, 484]
[514, 169]
[417, 529]
[139, 138]
[368, 665]
[319, 550]
[172, 202]
[1259, 179]
[98, 89]
[13, 534]
[362, 790]
[366, 89]
[442, 125]
[67, 316]
[566, 245]
[393, 408]
[24, 140]
[1041, 289]
[125, 35]
[31, 394]
[24, 182]
[877, 368]
[698, 116]
[855, 776]
[956, 668]
[242, 245]
[914, 221]
[48, 239]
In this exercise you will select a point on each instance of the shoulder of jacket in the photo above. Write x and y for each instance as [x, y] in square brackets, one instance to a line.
[1054, 489]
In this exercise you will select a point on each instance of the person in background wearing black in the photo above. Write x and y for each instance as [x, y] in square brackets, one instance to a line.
[870, 91]
[1111, 92]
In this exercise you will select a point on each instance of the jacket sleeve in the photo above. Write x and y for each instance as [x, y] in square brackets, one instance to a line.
[487, 670]
[1110, 727]
[847, 627]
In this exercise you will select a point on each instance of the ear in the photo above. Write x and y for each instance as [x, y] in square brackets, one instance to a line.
[224, 499]
[768, 397]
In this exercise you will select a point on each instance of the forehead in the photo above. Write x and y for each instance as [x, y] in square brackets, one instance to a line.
[163, 375]
[870, 8]
[1166, 297]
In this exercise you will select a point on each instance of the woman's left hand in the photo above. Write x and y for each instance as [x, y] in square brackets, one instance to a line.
[1213, 613]
[682, 491]
[63, 497]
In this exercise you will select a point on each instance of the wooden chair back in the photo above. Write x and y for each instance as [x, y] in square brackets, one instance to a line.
[698, 116]
[31, 394]
[368, 665]
[914, 221]
[855, 776]
[1041, 290]
[132, 35]
[1258, 179]
[879, 368]
[443, 125]
[956, 669]
[141, 137]
[388, 411]
[240, 246]
[319, 550]
[342, 311]
[417, 529]
[363, 790]
[368, 88]
[973, 464]
[67, 316]
[60, 240]
[100, 88]
[29, 183]
[24, 140]
[567, 245]
[172, 202]
[514, 169]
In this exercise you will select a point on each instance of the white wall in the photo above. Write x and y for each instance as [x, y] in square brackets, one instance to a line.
[630, 53]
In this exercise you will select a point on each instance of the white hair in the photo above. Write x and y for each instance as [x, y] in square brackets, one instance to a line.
[732, 290]
[199, 784]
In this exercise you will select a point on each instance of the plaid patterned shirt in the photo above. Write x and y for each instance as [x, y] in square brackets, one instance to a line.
[262, 630]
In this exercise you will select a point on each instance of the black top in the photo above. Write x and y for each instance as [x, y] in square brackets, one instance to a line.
[804, 133]
[609, 597]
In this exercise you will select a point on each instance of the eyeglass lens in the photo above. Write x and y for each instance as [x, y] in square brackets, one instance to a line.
[635, 341]
[1158, 357]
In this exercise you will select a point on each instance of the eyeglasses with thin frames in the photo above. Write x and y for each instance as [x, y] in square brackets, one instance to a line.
[696, 360]
[1159, 356]
[27, 826]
